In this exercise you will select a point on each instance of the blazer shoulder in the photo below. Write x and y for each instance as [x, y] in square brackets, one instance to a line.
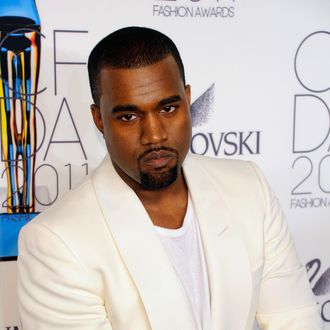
[216, 162]
[76, 222]
[72, 206]
[237, 179]
[225, 167]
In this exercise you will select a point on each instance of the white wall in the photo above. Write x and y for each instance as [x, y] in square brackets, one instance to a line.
[269, 62]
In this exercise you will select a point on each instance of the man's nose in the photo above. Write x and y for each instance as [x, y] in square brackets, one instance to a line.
[153, 130]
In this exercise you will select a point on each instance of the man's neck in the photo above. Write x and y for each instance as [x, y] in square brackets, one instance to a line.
[166, 206]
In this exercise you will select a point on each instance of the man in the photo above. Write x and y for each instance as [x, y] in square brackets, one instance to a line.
[154, 239]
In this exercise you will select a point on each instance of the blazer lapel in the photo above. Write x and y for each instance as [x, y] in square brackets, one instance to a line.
[226, 257]
[142, 252]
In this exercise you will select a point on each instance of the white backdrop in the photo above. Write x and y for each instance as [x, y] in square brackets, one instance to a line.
[259, 70]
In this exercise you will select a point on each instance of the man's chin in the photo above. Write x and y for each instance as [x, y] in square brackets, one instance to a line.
[159, 180]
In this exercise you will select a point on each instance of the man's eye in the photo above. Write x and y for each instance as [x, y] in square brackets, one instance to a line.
[128, 117]
[168, 109]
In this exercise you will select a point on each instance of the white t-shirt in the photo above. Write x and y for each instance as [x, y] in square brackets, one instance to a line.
[185, 251]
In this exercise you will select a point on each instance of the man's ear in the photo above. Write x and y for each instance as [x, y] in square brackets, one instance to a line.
[188, 93]
[96, 113]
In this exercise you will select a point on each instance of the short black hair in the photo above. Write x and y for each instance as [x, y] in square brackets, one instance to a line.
[130, 48]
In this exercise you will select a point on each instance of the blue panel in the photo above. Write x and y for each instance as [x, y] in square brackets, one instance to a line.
[10, 225]
[20, 8]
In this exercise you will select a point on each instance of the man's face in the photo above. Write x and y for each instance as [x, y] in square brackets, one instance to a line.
[144, 116]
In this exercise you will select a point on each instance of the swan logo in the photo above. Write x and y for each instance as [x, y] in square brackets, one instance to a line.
[202, 107]
[320, 284]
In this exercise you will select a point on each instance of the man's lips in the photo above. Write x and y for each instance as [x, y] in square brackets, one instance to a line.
[157, 159]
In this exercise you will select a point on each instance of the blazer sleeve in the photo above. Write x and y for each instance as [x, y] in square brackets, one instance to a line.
[286, 301]
[55, 291]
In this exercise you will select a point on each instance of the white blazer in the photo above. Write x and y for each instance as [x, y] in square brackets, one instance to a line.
[94, 261]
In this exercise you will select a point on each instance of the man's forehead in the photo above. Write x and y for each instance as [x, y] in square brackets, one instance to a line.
[163, 76]
[167, 67]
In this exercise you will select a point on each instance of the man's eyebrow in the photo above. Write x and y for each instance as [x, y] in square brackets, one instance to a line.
[124, 108]
[134, 108]
[171, 99]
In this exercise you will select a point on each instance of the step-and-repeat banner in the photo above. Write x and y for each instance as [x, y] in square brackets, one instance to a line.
[260, 77]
